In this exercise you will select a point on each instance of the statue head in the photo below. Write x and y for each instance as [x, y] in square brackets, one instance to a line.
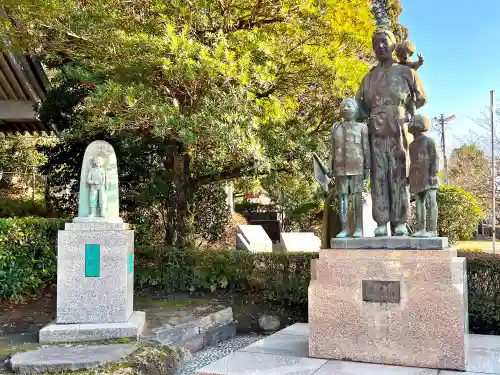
[384, 43]
[348, 108]
[420, 124]
[97, 162]
[405, 50]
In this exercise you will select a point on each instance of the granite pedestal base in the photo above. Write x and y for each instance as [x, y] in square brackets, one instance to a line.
[95, 284]
[422, 323]
[391, 243]
[65, 333]
[95, 279]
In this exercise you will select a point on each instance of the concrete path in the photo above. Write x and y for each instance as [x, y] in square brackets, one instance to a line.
[286, 353]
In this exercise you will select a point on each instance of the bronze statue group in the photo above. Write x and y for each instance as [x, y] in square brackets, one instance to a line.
[382, 148]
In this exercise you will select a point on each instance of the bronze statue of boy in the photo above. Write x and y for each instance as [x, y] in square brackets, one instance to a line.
[350, 165]
[424, 164]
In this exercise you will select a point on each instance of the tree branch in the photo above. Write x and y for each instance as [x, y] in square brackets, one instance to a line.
[241, 24]
[240, 171]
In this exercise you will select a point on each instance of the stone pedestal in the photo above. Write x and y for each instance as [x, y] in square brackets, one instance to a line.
[95, 284]
[397, 307]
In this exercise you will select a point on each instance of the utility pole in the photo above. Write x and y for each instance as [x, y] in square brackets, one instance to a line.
[493, 171]
[441, 129]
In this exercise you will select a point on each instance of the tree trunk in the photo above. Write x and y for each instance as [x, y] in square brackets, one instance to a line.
[184, 236]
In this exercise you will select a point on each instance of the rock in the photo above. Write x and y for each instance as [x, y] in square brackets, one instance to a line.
[269, 323]
[205, 331]
[69, 358]
[160, 360]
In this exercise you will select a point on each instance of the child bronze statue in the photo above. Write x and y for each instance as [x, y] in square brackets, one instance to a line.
[350, 165]
[424, 163]
[406, 50]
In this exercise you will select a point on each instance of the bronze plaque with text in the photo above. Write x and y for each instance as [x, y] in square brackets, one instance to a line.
[381, 291]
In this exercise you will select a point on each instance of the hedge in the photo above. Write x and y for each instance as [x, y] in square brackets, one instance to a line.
[28, 262]
[284, 278]
[27, 255]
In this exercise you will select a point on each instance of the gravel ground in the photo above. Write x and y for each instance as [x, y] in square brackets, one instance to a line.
[209, 355]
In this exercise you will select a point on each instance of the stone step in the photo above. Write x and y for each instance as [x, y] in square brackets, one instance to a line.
[198, 334]
[59, 359]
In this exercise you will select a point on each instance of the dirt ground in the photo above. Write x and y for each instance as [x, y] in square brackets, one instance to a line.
[20, 322]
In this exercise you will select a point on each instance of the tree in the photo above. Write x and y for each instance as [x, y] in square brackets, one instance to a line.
[19, 156]
[386, 13]
[470, 169]
[459, 213]
[214, 90]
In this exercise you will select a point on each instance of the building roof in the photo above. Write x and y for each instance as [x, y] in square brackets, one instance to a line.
[23, 84]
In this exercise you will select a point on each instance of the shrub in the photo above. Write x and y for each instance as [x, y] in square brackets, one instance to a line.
[284, 278]
[278, 277]
[27, 255]
[483, 274]
[459, 213]
[21, 208]
[470, 249]
[211, 212]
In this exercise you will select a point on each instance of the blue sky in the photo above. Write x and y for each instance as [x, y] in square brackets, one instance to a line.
[462, 60]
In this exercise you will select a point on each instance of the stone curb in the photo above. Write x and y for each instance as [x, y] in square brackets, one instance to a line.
[194, 336]
[69, 358]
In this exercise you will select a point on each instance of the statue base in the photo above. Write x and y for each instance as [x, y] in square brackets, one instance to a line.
[72, 333]
[393, 307]
[95, 280]
[391, 243]
[97, 219]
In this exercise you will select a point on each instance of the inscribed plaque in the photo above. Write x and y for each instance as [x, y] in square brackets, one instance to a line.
[92, 260]
[131, 262]
[381, 291]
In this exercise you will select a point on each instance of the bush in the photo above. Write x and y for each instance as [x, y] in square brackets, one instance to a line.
[459, 213]
[284, 278]
[483, 274]
[278, 277]
[21, 208]
[27, 255]
[28, 262]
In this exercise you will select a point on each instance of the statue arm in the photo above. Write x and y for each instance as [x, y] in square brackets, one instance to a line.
[331, 161]
[89, 178]
[434, 159]
[418, 89]
[366, 148]
[363, 113]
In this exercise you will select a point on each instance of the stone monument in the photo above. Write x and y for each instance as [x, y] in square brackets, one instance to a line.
[398, 300]
[95, 261]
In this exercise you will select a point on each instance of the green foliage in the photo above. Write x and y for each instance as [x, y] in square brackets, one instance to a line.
[28, 261]
[471, 249]
[215, 90]
[483, 277]
[211, 212]
[10, 208]
[387, 14]
[459, 213]
[19, 152]
[276, 277]
[27, 255]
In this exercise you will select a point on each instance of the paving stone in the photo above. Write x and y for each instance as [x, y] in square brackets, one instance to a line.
[69, 358]
[297, 329]
[488, 342]
[281, 344]
[262, 364]
[355, 368]
[483, 361]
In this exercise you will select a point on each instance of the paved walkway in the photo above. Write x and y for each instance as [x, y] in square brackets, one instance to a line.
[286, 353]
